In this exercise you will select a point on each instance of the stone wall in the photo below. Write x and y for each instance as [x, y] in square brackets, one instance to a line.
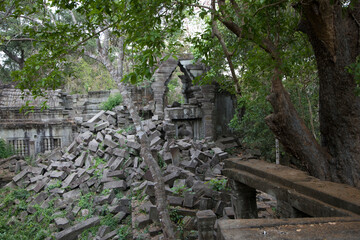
[31, 132]
[206, 112]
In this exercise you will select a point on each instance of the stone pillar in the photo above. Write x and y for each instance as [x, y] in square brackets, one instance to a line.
[206, 220]
[243, 200]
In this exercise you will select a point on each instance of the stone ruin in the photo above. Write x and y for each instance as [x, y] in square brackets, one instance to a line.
[88, 151]
[205, 113]
[104, 161]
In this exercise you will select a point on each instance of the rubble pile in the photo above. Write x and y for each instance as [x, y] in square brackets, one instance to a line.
[9, 166]
[102, 176]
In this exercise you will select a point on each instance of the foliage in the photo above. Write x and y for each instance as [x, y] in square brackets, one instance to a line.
[31, 227]
[87, 75]
[175, 89]
[180, 190]
[57, 184]
[355, 70]
[218, 184]
[5, 149]
[124, 232]
[175, 216]
[87, 202]
[161, 161]
[113, 101]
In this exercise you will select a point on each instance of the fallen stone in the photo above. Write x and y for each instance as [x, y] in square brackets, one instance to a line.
[40, 185]
[133, 144]
[110, 235]
[170, 178]
[72, 232]
[21, 175]
[175, 201]
[189, 200]
[72, 195]
[229, 212]
[154, 231]
[58, 174]
[115, 185]
[93, 145]
[183, 145]
[142, 221]
[69, 180]
[79, 162]
[103, 230]
[156, 141]
[120, 216]
[109, 142]
[117, 163]
[118, 173]
[96, 117]
[101, 126]
[86, 136]
[61, 223]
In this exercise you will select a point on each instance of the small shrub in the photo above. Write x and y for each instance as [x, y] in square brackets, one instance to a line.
[112, 101]
[218, 184]
[55, 185]
[124, 232]
[5, 149]
[180, 190]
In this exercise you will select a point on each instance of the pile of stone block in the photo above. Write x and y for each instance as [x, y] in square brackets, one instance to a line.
[9, 166]
[104, 160]
[192, 176]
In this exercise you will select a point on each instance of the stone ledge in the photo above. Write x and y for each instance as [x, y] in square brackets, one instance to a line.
[295, 186]
[296, 228]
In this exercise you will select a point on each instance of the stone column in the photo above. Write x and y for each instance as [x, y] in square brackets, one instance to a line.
[206, 220]
[243, 200]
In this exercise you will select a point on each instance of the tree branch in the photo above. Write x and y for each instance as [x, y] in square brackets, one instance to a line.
[12, 56]
[269, 5]
[217, 34]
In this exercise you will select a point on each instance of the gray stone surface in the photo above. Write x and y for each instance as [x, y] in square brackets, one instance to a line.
[72, 232]
[93, 145]
[115, 185]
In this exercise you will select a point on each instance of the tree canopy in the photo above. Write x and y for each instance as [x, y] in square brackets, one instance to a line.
[255, 49]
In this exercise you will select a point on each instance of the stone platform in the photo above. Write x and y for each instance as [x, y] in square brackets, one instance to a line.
[295, 229]
[301, 192]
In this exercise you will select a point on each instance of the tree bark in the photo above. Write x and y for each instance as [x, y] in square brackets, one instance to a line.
[292, 132]
[333, 31]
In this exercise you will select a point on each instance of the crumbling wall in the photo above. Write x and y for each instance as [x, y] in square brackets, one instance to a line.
[205, 113]
[34, 131]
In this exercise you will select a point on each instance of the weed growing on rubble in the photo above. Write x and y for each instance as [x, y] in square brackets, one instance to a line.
[16, 223]
[5, 149]
[124, 232]
[112, 101]
[180, 190]
[218, 184]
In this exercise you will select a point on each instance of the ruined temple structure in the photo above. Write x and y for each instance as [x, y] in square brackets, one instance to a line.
[35, 131]
[205, 113]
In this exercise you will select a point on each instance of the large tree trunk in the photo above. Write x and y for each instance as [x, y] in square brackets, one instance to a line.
[292, 132]
[334, 34]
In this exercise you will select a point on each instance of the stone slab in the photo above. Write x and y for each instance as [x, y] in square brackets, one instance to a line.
[295, 229]
[72, 232]
[309, 194]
